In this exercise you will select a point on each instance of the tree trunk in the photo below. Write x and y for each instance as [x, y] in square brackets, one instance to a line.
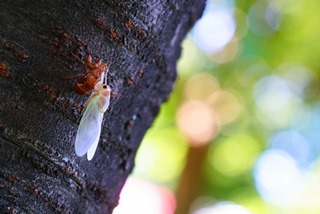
[43, 41]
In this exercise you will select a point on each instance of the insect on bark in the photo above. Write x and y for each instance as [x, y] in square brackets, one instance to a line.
[89, 129]
[87, 81]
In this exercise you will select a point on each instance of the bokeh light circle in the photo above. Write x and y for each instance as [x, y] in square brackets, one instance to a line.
[214, 30]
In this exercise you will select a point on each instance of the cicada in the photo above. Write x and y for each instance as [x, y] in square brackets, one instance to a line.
[94, 74]
[89, 129]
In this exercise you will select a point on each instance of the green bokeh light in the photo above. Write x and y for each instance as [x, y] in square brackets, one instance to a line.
[234, 155]
[162, 156]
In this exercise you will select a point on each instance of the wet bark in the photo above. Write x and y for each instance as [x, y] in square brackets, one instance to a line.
[43, 41]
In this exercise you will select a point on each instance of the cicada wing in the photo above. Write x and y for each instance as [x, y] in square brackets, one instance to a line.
[89, 128]
[93, 149]
[103, 106]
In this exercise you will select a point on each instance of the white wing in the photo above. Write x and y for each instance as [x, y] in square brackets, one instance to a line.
[92, 149]
[103, 106]
[89, 129]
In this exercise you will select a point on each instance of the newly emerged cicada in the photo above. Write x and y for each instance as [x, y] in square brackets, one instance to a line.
[89, 129]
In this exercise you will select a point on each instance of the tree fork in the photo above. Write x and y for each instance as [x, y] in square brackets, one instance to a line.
[43, 41]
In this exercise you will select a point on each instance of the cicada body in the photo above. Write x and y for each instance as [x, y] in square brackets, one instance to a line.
[85, 84]
[89, 129]
[93, 76]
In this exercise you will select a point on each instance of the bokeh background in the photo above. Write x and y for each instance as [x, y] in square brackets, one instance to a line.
[240, 133]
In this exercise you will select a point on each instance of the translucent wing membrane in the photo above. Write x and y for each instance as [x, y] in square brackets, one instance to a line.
[92, 149]
[89, 130]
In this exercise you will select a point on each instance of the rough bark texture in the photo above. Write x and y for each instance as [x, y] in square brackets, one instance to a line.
[43, 41]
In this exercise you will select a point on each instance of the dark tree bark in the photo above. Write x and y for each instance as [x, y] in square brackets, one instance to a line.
[43, 41]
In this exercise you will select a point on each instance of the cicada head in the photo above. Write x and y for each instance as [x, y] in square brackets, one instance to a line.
[102, 89]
